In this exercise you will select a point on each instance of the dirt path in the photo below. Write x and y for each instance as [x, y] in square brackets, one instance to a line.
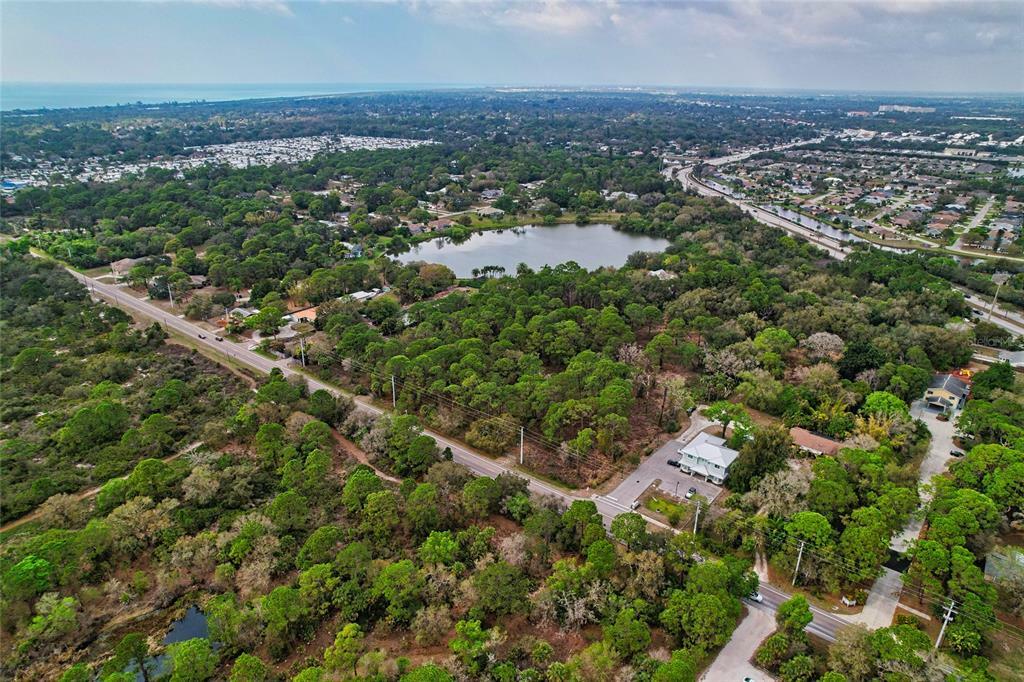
[91, 492]
[357, 454]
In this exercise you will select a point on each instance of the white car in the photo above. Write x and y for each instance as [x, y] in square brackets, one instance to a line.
[756, 596]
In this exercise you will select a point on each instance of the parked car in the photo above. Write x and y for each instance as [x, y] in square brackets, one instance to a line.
[957, 453]
[691, 492]
[673, 462]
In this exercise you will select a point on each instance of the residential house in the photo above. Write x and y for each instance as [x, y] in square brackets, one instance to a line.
[707, 456]
[120, 268]
[946, 392]
[440, 224]
[663, 275]
[490, 212]
[813, 443]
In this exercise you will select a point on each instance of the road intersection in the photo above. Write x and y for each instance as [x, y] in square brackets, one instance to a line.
[825, 624]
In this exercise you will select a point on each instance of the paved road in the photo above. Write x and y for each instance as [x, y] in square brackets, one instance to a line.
[832, 246]
[477, 463]
[934, 463]
[978, 218]
[732, 663]
[824, 623]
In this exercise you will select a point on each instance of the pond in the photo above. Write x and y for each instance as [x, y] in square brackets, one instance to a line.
[592, 246]
[191, 625]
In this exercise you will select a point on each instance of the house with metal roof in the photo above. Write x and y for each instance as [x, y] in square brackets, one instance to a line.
[707, 456]
[947, 392]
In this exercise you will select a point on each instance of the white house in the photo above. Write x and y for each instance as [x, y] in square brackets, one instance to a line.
[707, 456]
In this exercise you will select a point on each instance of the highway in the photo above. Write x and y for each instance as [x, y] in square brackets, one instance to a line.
[1012, 322]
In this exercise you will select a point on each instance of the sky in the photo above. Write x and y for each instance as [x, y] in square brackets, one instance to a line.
[902, 45]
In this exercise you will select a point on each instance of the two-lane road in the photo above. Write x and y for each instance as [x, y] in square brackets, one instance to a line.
[824, 623]
[477, 463]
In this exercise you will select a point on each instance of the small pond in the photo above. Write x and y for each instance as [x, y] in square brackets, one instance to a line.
[191, 625]
[592, 246]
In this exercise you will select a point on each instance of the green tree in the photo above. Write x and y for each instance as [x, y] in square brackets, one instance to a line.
[134, 649]
[793, 615]
[730, 414]
[346, 650]
[765, 453]
[193, 660]
[470, 645]
[249, 668]
[630, 529]
[628, 635]
[289, 511]
[885, 404]
[680, 668]
[502, 589]
[480, 497]
[439, 548]
[359, 484]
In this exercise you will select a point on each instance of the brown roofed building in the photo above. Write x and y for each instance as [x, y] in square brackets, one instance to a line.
[812, 442]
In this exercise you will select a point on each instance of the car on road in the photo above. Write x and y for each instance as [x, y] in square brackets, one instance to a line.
[691, 492]
[673, 463]
[202, 336]
[635, 505]
[756, 596]
[219, 338]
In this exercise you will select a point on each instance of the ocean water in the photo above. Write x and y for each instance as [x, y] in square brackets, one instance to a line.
[29, 96]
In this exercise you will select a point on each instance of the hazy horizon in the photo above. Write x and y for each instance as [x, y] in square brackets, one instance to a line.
[914, 46]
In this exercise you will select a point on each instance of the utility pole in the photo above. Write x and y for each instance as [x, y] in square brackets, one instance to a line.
[799, 557]
[1000, 279]
[302, 348]
[170, 294]
[394, 396]
[676, 493]
[696, 517]
[521, 434]
[948, 616]
[661, 414]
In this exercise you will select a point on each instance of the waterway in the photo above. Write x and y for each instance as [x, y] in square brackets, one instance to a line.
[591, 246]
[810, 223]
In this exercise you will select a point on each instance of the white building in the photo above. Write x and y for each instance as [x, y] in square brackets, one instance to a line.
[707, 456]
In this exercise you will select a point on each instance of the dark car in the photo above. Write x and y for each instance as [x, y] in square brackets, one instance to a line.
[219, 338]
[956, 453]
[202, 336]
[691, 492]
[673, 462]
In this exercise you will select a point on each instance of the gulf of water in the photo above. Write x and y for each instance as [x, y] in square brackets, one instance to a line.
[29, 96]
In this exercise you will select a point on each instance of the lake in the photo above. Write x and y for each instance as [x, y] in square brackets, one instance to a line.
[592, 246]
